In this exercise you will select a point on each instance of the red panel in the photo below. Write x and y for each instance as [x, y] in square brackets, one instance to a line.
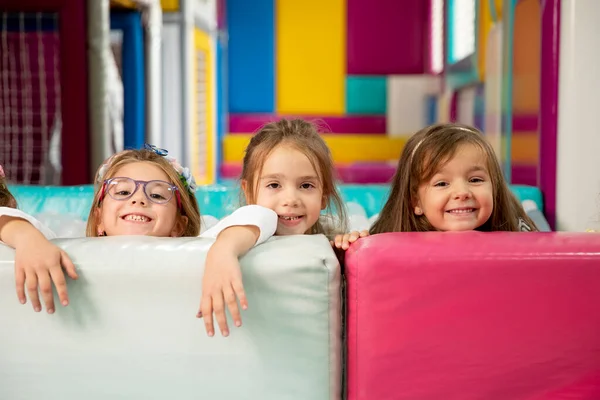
[474, 315]
[387, 37]
[75, 139]
[73, 72]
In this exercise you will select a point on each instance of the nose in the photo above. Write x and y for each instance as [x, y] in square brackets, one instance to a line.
[462, 192]
[138, 196]
[290, 198]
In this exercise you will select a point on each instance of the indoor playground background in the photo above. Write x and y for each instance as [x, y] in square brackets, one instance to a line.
[81, 80]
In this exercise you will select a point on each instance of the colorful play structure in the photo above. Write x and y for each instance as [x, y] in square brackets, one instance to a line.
[200, 77]
[436, 315]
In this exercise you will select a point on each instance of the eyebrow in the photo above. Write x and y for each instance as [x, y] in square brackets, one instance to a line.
[279, 176]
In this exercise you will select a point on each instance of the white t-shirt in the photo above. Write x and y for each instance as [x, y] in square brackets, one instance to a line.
[263, 218]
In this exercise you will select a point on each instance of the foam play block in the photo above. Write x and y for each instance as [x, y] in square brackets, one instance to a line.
[251, 63]
[311, 62]
[364, 124]
[373, 44]
[473, 315]
[344, 148]
[131, 332]
[366, 94]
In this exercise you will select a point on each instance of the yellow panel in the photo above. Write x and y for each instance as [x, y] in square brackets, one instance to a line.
[170, 5]
[344, 148]
[202, 43]
[485, 24]
[527, 52]
[311, 56]
[525, 148]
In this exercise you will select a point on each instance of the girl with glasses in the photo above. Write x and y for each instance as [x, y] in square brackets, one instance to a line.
[138, 192]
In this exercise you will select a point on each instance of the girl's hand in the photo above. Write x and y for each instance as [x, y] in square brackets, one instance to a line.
[38, 262]
[344, 241]
[221, 286]
[222, 282]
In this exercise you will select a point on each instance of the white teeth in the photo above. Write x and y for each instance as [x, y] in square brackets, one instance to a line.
[137, 218]
[462, 211]
[289, 218]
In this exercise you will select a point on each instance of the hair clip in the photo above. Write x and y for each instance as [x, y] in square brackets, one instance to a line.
[187, 179]
[157, 150]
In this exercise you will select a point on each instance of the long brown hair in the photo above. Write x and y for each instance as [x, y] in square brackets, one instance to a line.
[424, 153]
[302, 136]
[6, 197]
[189, 204]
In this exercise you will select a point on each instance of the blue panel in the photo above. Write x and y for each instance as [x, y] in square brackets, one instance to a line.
[133, 73]
[366, 94]
[221, 99]
[432, 112]
[251, 62]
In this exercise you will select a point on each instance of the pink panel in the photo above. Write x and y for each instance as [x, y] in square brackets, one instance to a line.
[387, 37]
[474, 315]
[355, 173]
[248, 123]
[366, 173]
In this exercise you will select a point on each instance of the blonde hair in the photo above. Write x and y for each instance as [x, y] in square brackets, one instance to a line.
[302, 136]
[424, 153]
[189, 205]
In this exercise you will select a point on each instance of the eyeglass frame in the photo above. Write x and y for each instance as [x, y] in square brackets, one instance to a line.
[106, 182]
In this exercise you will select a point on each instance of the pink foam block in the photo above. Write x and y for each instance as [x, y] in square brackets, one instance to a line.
[249, 123]
[474, 315]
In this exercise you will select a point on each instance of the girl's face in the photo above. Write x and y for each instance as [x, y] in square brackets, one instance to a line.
[459, 197]
[290, 186]
[137, 215]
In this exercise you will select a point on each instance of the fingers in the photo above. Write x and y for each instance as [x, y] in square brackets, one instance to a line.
[32, 290]
[61, 285]
[20, 284]
[206, 313]
[238, 287]
[232, 305]
[219, 310]
[364, 233]
[339, 239]
[45, 284]
[68, 265]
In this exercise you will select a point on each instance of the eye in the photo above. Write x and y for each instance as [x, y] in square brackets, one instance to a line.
[273, 185]
[307, 186]
[158, 196]
[476, 180]
[123, 193]
[441, 184]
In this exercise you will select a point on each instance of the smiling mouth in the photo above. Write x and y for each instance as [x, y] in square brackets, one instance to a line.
[136, 218]
[461, 211]
[290, 218]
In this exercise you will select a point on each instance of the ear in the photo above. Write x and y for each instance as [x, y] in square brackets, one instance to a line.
[244, 186]
[323, 203]
[417, 207]
[180, 226]
[99, 225]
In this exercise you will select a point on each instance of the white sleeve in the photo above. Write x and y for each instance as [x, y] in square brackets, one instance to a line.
[263, 218]
[13, 212]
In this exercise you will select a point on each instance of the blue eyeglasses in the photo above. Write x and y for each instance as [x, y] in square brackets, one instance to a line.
[157, 191]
